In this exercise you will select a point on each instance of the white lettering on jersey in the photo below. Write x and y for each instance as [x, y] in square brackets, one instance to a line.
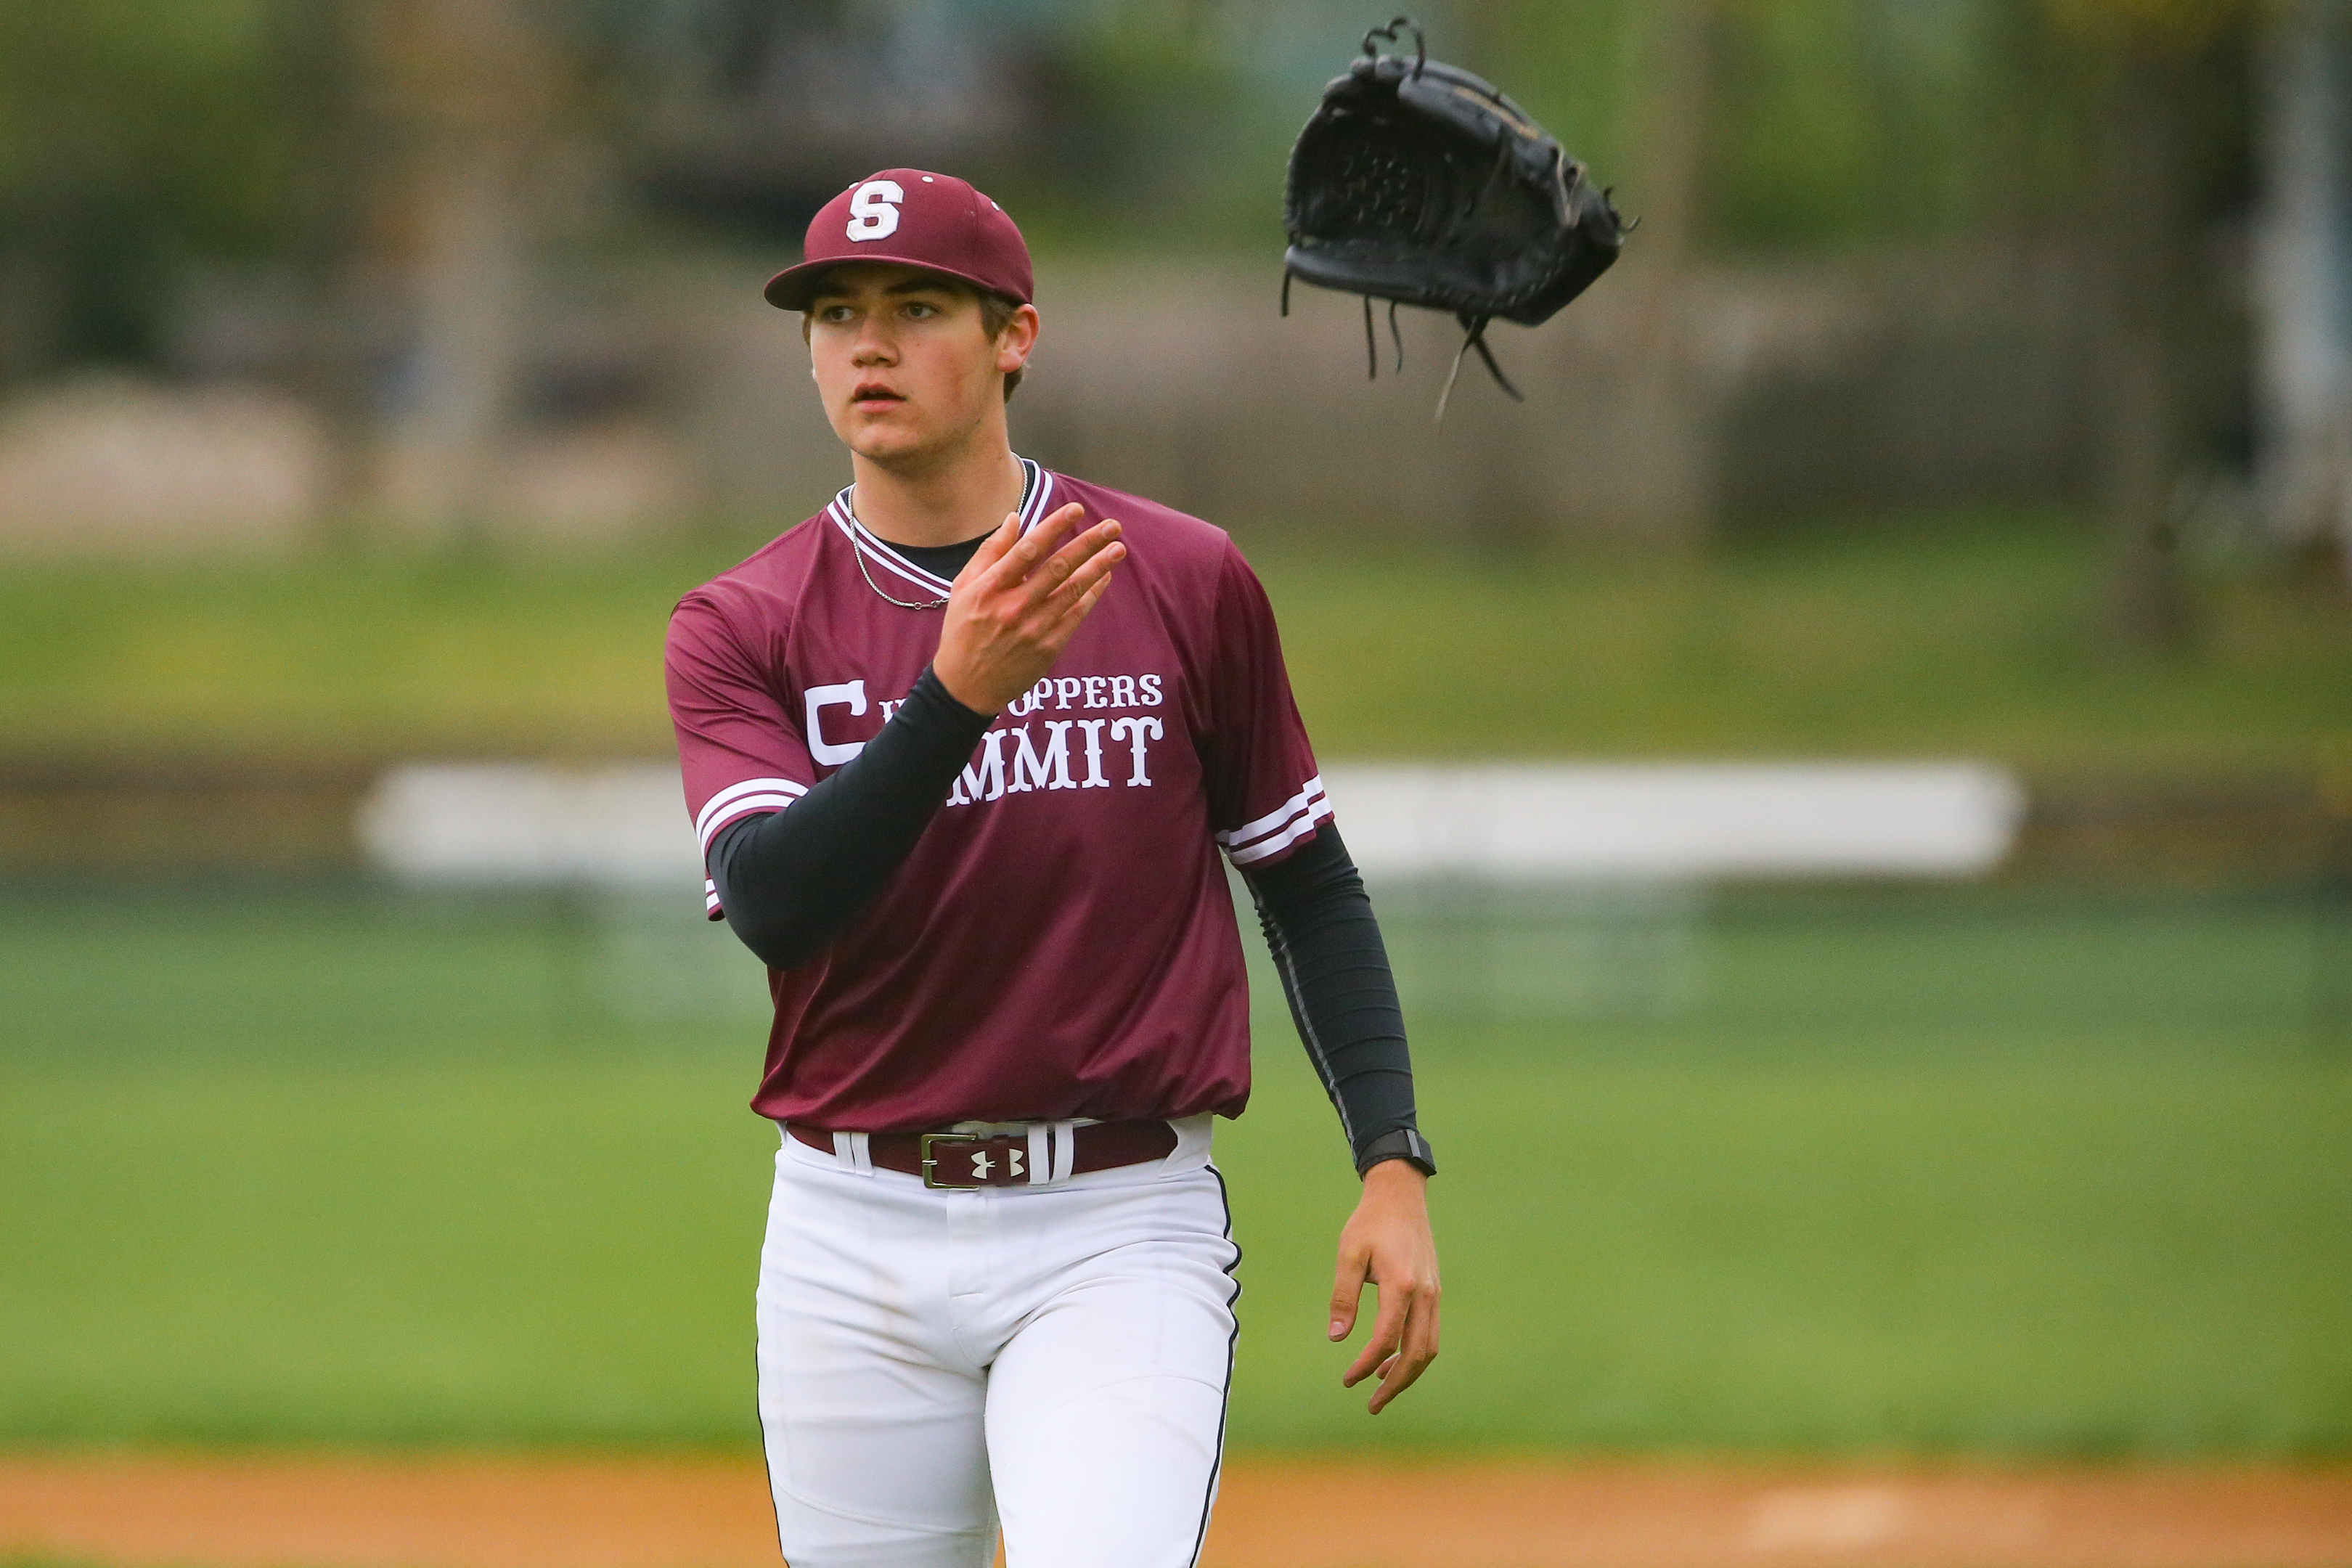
[874, 210]
[1051, 770]
[983, 780]
[1093, 727]
[850, 695]
[1137, 728]
[1011, 762]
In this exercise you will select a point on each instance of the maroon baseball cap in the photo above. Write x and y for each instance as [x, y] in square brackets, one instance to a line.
[917, 219]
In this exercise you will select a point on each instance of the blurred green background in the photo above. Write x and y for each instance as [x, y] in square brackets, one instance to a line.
[374, 378]
[2004, 1173]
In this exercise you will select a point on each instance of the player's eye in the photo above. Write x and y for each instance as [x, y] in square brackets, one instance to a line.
[833, 315]
[921, 309]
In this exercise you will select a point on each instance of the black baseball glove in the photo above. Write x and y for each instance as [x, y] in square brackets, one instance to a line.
[1419, 184]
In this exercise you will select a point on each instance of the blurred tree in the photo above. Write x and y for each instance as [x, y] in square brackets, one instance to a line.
[397, 153]
[465, 94]
[1834, 124]
[330, 197]
[426, 128]
[744, 116]
[1565, 61]
[1843, 122]
[1675, 58]
[1160, 138]
[136, 136]
[389, 149]
[2164, 81]
[1733, 127]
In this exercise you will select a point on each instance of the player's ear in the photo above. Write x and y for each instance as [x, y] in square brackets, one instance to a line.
[1014, 344]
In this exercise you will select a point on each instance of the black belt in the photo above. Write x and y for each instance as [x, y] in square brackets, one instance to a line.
[966, 1159]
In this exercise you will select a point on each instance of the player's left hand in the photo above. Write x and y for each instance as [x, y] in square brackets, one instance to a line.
[1387, 1244]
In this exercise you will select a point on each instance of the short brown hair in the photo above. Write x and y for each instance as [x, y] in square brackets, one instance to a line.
[996, 312]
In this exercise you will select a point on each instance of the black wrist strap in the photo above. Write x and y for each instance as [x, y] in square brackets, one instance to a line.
[1404, 1144]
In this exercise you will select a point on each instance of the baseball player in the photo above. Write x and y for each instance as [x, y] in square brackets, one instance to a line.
[962, 750]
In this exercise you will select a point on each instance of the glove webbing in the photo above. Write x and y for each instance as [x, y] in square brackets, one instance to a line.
[1475, 337]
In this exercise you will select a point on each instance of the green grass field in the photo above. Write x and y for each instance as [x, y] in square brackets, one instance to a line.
[1996, 1170]
[1954, 635]
[1991, 1173]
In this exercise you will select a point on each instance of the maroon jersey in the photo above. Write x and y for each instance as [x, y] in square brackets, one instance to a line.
[1061, 941]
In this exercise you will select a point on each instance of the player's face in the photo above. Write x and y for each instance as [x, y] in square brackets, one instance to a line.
[903, 360]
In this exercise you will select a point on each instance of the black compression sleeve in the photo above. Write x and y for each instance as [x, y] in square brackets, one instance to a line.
[1335, 970]
[790, 881]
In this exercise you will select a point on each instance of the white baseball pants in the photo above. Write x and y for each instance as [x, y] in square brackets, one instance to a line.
[1055, 1356]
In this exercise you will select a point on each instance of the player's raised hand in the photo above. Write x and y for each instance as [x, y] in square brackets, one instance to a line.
[1387, 1244]
[1016, 603]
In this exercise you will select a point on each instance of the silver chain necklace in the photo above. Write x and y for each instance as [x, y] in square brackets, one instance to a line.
[858, 551]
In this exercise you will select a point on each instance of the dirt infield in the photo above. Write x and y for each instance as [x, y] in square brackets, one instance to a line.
[198, 1512]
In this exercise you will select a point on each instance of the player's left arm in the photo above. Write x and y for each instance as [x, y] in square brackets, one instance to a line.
[1327, 948]
[1275, 821]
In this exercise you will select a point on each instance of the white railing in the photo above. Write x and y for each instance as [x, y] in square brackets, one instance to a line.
[626, 824]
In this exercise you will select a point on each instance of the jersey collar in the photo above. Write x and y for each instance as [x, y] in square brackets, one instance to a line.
[1037, 500]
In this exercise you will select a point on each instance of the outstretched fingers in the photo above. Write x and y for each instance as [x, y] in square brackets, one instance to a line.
[1085, 562]
[1018, 601]
[1022, 559]
[1064, 573]
[992, 549]
[1070, 604]
[1075, 610]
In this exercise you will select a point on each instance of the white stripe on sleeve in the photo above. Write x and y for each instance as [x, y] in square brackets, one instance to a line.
[1310, 794]
[735, 800]
[1319, 810]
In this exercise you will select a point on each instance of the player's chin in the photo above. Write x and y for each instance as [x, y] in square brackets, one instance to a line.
[889, 431]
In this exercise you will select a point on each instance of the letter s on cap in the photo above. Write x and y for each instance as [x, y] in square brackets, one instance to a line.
[874, 210]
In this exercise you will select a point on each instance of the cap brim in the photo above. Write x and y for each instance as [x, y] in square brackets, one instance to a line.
[791, 288]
